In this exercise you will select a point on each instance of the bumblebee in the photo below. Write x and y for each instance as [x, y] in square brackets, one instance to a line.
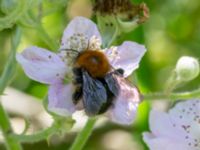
[96, 82]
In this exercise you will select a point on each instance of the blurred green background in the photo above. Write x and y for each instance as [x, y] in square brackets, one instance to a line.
[173, 30]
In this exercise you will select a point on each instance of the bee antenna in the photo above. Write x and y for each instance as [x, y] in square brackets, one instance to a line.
[72, 50]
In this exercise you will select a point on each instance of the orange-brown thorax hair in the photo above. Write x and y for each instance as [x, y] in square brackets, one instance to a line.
[94, 62]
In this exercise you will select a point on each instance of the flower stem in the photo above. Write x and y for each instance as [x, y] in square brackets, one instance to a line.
[84, 135]
[173, 96]
[41, 135]
[11, 143]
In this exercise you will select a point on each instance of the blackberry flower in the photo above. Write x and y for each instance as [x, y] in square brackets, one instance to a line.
[54, 69]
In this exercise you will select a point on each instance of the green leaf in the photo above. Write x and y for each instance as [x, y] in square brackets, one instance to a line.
[7, 5]
[9, 20]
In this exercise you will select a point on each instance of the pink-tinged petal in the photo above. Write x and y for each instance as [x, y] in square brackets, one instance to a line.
[42, 65]
[163, 143]
[186, 117]
[179, 128]
[126, 104]
[60, 99]
[127, 56]
[78, 34]
[160, 121]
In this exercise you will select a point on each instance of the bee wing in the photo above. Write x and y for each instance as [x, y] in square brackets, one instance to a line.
[112, 83]
[94, 94]
[126, 102]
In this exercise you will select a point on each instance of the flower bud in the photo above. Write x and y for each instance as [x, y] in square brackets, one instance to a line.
[187, 68]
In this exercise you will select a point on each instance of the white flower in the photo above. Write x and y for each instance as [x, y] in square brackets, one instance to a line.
[52, 69]
[179, 129]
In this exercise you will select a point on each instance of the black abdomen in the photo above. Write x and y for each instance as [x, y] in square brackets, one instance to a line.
[78, 93]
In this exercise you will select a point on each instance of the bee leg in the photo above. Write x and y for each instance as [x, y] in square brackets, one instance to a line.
[77, 95]
[119, 71]
[78, 79]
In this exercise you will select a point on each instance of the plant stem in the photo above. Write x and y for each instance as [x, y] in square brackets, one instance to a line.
[41, 135]
[11, 143]
[173, 96]
[84, 135]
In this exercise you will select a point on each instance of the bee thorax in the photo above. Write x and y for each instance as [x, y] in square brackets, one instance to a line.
[94, 62]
